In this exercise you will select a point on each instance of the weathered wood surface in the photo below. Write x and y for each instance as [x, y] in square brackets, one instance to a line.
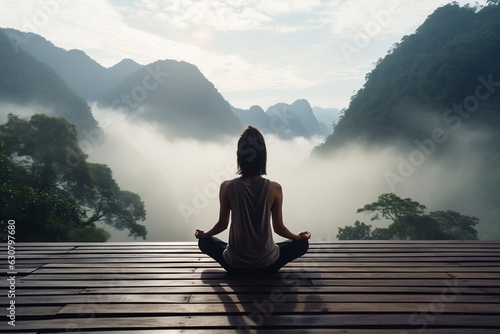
[343, 287]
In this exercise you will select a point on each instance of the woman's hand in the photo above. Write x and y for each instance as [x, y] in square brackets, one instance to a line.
[304, 235]
[199, 234]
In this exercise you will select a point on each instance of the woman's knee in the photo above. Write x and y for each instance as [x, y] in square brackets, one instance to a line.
[303, 246]
[204, 244]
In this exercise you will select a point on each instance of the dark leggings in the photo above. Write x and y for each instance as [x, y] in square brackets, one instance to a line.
[289, 251]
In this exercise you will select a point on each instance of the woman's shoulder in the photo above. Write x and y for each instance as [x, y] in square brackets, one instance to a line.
[274, 186]
[227, 184]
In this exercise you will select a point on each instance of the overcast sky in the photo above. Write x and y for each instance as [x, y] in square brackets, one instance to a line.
[254, 51]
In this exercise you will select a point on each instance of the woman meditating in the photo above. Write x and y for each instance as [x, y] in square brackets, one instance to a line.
[251, 201]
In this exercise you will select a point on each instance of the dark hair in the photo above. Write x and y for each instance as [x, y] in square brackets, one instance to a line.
[251, 153]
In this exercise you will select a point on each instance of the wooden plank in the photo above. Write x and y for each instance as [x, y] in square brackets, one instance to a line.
[292, 289]
[111, 271]
[294, 264]
[99, 298]
[268, 282]
[18, 270]
[48, 292]
[222, 275]
[296, 282]
[344, 298]
[342, 251]
[172, 298]
[310, 331]
[360, 320]
[409, 282]
[276, 308]
[30, 311]
[482, 256]
[336, 243]
[141, 283]
[55, 269]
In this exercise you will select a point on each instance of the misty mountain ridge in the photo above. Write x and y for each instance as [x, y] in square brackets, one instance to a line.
[84, 76]
[289, 121]
[327, 118]
[184, 105]
[177, 96]
[29, 84]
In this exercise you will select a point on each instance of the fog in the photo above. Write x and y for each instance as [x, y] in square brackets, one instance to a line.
[23, 111]
[178, 180]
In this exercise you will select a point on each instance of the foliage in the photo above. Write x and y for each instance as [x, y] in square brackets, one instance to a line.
[50, 189]
[455, 226]
[88, 233]
[360, 231]
[409, 221]
[392, 207]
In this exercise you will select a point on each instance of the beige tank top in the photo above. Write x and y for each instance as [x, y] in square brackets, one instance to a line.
[251, 243]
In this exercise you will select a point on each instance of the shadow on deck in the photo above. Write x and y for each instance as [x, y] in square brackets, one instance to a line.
[343, 287]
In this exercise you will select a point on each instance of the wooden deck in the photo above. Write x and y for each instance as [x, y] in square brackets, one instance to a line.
[343, 287]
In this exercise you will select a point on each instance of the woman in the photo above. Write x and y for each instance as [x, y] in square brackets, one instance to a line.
[251, 201]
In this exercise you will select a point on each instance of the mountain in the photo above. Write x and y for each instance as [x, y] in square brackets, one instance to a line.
[327, 117]
[255, 116]
[436, 97]
[176, 96]
[284, 120]
[183, 101]
[440, 66]
[24, 81]
[83, 75]
[298, 116]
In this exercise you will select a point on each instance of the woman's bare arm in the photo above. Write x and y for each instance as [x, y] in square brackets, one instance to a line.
[279, 227]
[224, 211]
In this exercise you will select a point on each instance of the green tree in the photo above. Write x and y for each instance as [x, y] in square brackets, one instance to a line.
[456, 226]
[360, 231]
[416, 227]
[53, 192]
[43, 147]
[107, 203]
[381, 233]
[409, 221]
[392, 207]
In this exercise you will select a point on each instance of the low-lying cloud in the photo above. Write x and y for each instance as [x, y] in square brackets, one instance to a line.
[179, 179]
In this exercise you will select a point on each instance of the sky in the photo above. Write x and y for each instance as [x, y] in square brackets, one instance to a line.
[255, 52]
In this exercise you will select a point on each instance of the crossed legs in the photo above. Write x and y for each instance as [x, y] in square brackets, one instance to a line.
[289, 251]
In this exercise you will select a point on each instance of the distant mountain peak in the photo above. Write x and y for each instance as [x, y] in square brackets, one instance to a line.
[82, 74]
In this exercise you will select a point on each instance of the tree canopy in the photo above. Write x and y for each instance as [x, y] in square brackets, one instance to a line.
[409, 222]
[53, 193]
